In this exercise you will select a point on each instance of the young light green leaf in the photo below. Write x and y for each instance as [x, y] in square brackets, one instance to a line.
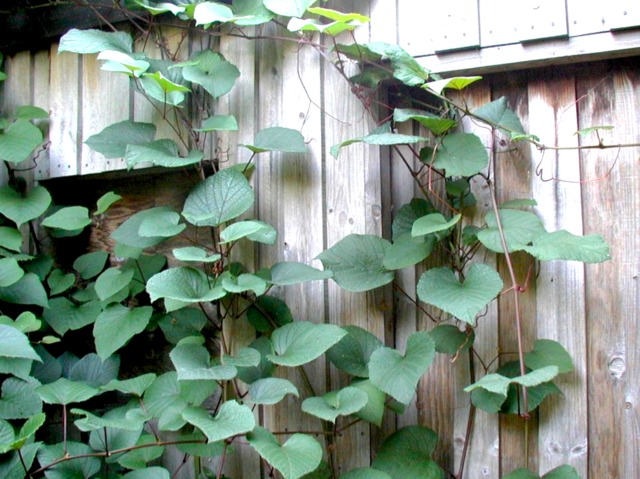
[219, 123]
[21, 209]
[593, 129]
[253, 230]
[461, 154]
[10, 272]
[398, 375]
[497, 114]
[354, 350]
[105, 202]
[69, 218]
[18, 140]
[433, 223]
[27, 290]
[562, 245]
[116, 325]
[95, 41]
[184, 284]
[10, 238]
[112, 141]
[206, 13]
[407, 454]
[15, 344]
[520, 228]
[464, 300]
[299, 455]
[288, 8]
[288, 273]
[357, 262]
[456, 83]
[195, 254]
[301, 342]
[231, 420]
[518, 203]
[211, 71]
[380, 136]
[437, 125]
[336, 403]
[218, 199]
[270, 390]
[278, 138]
[547, 352]
[161, 88]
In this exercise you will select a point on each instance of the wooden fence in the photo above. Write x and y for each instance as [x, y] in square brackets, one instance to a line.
[315, 200]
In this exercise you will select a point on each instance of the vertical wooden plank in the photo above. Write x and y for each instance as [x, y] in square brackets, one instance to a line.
[512, 181]
[613, 98]
[41, 68]
[105, 100]
[495, 25]
[65, 122]
[353, 205]
[560, 285]
[482, 459]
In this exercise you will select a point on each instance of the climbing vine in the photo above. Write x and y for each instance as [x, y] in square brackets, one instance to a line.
[68, 416]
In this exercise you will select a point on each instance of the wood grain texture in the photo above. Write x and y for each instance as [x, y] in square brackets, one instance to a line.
[612, 97]
[560, 306]
[41, 98]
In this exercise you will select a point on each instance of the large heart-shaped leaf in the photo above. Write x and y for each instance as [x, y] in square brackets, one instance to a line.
[161, 88]
[382, 136]
[63, 315]
[64, 391]
[565, 246]
[465, 300]
[18, 140]
[407, 215]
[520, 228]
[160, 153]
[374, 409]
[113, 140]
[93, 371]
[365, 473]
[353, 351]
[253, 230]
[300, 455]
[10, 238]
[27, 290]
[278, 138]
[231, 420]
[289, 8]
[211, 71]
[289, 272]
[461, 154]
[10, 272]
[154, 472]
[433, 223]
[436, 124]
[118, 324]
[549, 353]
[407, 454]
[498, 115]
[220, 198]
[85, 466]
[398, 375]
[111, 281]
[455, 83]
[91, 264]
[408, 251]
[336, 403]
[128, 233]
[19, 399]
[185, 284]
[15, 344]
[95, 41]
[193, 362]
[21, 209]
[300, 342]
[206, 13]
[357, 262]
[270, 390]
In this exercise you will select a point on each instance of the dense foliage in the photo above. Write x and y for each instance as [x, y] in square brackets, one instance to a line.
[70, 416]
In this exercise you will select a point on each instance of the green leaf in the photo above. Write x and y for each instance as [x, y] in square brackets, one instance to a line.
[268, 313]
[244, 282]
[405, 67]
[91, 264]
[461, 154]
[10, 238]
[10, 272]
[64, 391]
[408, 214]
[161, 88]
[408, 251]
[211, 71]
[128, 233]
[357, 262]
[456, 83]
[95, 41]
[220, 198]
[26, 322]
[13, 464]
[253, 230]
[270, 390]
[263, 370]
[93, 371]
[373, 411]
[288, 273]
[123, 434]
[19, 399]
[195, 254]
[27, 290]
[185, 284]
[593, 129]
[407, 454]
[565, 246]
[182, 323]
[465, 300]
[219, 123]
[140, 457]
[518, 203]
[301, 342]
[251, 12]
[521, 473]
[84, 467]
[398, 375]
[278, 138]
[382, 136]
[112, 141]
[15, 344]
[352, 353]
[288, 8]
[111, 281]
[28, 430]
[520, 228]
[69, 218]
[29, 112]
[537, 376]
[160, 153]
[119, 62]
[433, 223]
[136, 386]
[60, 282]
[231, 420]
[549, 353]
[116, 325]
[21, 209]
[562, 472]
[114, 419]
[206, 13]
[245, 357]
[193, 363]
[312, 25]
[18, 140]
[299, 455]
[336, 403]
[494, 383]
[497, 114]
[437, 125]
[63, 315]
[154, 472]
[105, 202]
[161, 223]
[450, 340]
[365, 473]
